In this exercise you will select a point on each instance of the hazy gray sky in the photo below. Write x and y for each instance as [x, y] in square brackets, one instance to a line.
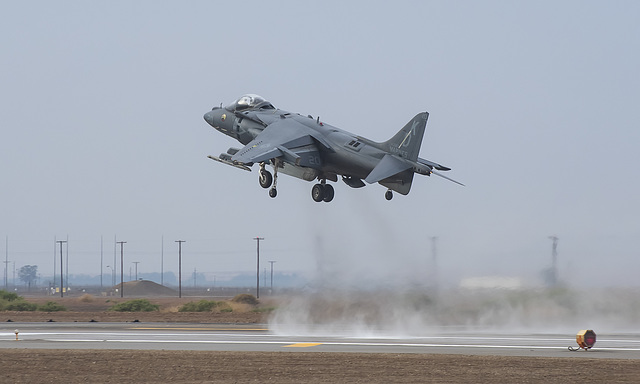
[534, 105]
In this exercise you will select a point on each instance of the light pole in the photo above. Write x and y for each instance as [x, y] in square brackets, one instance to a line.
[434, 255]
[6, 275]
[136, 263]
[162, 261]
[6, 263]
[101, 261]
[61, 270]
[121, 267]
[180, 266]
[111, 270]
[272, 261]
[554, 260]
[257, 239]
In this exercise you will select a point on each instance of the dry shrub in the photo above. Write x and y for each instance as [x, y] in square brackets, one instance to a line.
[86, 298]
[199, 306]
[245, 298]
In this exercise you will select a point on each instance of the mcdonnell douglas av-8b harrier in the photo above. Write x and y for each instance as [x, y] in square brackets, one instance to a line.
[310, 149]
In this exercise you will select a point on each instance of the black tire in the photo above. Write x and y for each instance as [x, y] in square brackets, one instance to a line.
[273, 192]
[388, 195]
[329, 193]
[317, 193]
[265, 179]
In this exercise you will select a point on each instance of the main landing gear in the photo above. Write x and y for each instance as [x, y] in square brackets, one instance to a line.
[265, 179]
[322, 192]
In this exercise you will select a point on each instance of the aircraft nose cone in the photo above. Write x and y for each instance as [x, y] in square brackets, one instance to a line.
[208, 117]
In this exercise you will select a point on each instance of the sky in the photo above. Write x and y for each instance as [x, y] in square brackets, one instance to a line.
[534, 106]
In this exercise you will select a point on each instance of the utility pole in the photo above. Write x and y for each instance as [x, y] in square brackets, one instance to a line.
[6, 275]
[554, 260]
[66, 278]
[61, 269]
[121, 267]
[101, 261]
[434, 255]
[6, 263]
[55, 255]
[271, 262]
[111, 270]
[257, 239]
[115, 260]
[162, 261]
[136, 263]
[180, 266]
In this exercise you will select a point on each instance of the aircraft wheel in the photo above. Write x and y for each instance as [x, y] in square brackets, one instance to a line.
[273, 192]
[265, 179]
[317, 193]
[328, 193]
[388, 195]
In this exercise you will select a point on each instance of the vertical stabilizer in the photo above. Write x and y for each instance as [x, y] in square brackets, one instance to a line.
[406, 143]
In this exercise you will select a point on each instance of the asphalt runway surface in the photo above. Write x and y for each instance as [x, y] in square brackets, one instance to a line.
[258, 338]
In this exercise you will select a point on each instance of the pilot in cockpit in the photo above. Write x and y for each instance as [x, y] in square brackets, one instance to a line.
[249, 101]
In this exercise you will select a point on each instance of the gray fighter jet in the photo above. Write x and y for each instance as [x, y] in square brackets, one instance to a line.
[309, 149]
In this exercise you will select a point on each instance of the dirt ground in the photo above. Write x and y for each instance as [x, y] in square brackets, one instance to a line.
[127, 366]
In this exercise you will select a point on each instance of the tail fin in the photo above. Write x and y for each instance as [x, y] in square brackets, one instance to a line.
[406, 143]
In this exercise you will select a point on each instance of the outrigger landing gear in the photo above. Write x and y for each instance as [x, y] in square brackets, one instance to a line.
[388, 195]
[322, 192]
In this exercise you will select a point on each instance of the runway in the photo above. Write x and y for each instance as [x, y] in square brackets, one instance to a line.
[258, 338]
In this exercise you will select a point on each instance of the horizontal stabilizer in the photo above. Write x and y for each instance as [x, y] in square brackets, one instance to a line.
[229, 162]
[387, 167]
[433, 165]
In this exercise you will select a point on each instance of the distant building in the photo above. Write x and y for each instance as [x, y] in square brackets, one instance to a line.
[491, 282]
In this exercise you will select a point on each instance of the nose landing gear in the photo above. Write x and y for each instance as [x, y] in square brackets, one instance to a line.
[266, 180]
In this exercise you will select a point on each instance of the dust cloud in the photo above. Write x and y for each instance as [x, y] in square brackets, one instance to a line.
[416, 312]
[378, 278]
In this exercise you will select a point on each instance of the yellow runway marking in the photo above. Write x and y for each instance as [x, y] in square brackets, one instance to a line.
[303, 345]
[203, 329]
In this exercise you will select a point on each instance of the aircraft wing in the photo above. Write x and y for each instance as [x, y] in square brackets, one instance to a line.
[287, 140]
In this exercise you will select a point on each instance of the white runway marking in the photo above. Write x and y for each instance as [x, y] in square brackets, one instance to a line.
[115, 337]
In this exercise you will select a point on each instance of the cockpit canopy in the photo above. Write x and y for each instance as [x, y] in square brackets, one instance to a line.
[249, 101]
